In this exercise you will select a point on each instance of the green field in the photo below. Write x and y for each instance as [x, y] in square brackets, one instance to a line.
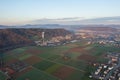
[53, 58]
[53, 68]
[43, 65]
[75, 76]
[36, 74]
[2, 76]
[24, 56]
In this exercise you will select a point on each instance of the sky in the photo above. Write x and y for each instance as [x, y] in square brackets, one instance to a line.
[22, 11]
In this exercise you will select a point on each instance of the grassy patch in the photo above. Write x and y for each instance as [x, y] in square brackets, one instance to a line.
[36, 75]
[18, 50]
[43, 65]
[8, 57]
[53, 57]
[53, 68]
[88, 70]
[74, 63]
[77, 75]
[2, 76]
[24, 56]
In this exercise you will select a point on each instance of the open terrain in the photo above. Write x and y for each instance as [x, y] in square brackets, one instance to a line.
[65, 62]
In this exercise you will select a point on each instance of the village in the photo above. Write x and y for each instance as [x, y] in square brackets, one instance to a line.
[91, 38]
[110, 70]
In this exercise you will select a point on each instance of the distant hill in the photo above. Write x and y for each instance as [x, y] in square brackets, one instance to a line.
[107, 29]
[13, 37]
[57, 26]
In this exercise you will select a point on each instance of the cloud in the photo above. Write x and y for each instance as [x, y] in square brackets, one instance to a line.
[78, 20]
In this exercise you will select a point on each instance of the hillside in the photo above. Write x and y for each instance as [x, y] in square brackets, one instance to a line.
[13, 37]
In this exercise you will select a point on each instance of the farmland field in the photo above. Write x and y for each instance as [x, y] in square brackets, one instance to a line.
[2, 76]
[37, 75]
[64, 62]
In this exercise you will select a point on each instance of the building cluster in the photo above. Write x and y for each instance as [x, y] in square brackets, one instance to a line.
[14, 67]
[105, 41]
[54, 41]
[115, 75]
[92, 37]
[110, 70]
[101, 37]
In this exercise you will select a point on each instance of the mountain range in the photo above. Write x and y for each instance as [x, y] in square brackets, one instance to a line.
[79, 21]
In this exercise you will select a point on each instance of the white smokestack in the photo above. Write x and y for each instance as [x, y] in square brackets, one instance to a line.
[43, 35]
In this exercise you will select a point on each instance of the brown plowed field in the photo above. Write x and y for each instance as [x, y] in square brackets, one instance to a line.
[32, 60]
[87, 57]
[33, 51]
[12, 61]
[63, 72]
[78, 49]
[24, 71]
